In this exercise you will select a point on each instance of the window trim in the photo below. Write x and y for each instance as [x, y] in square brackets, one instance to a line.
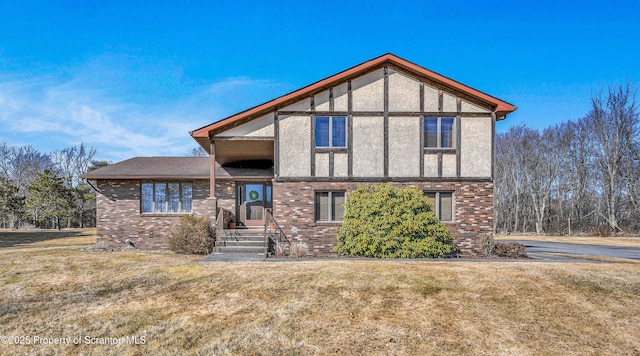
[439, 132]
[331, 117]
[316, 215]
[438, 203]
[166, 184]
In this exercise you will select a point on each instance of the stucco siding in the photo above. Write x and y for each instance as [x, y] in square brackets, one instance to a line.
[404, 146]
[430, 165]
[295, 146]
[368, 91]
[448, 165]
[404, 92]
[322, 164]
[469, 107]
[302, 105]
[340, 97]
[340, 165]
[430, 99]
[475, 155]
[260, 127]
[321, 101]
[449, 103]
[368, 146]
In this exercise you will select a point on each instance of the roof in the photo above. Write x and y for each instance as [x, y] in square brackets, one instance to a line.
[176, 168]
[501, 108]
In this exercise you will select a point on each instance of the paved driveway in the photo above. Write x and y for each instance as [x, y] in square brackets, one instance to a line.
[581, 249]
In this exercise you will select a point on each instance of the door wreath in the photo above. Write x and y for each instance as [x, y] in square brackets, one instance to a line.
[253, 195]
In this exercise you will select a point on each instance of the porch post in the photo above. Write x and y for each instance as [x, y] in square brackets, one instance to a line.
[212, 170]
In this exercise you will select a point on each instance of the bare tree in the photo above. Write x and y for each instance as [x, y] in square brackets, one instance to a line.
[197, 152]
[613, 124]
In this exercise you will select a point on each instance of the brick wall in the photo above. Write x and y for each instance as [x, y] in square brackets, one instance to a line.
[293, 204]
[119, 219]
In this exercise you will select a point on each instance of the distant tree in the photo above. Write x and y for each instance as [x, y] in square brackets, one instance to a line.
[21, 164]
[72, 162]
[48, 199]
[11, 204]
[97, 164]
[613, 123]
[197, 152]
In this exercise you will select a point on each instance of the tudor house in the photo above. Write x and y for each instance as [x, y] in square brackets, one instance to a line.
[297, 158]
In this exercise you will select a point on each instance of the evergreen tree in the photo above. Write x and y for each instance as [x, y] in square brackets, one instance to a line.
[48, 199]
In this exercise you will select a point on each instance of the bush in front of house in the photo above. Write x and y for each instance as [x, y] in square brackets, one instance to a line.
[192, 235]
[384, 221]
[510, 249]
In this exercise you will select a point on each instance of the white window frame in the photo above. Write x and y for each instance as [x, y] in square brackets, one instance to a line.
[439, 132]
[330, 205]
[167, 200]
[438, 202]
[346, 140]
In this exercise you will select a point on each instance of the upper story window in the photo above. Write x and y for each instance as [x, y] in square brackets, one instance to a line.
[329, 206]
[167, 197]
[442, 204]
[331, 131]
[439, 132]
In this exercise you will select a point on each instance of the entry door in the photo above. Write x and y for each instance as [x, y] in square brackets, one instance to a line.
[253, 199]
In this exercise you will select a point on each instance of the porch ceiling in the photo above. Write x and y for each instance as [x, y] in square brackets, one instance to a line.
[228, 151]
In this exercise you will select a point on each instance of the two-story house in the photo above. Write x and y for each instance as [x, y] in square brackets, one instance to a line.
[300, 155]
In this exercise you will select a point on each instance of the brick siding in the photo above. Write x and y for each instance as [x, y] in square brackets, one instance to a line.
[119, 219]
[293, 204]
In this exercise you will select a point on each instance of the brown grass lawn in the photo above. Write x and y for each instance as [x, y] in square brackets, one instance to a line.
[181, 306]
[628, 241]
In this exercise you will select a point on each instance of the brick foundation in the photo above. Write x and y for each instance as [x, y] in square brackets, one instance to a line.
[293, 204]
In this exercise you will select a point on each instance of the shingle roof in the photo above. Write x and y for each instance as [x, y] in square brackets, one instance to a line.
[171, 168]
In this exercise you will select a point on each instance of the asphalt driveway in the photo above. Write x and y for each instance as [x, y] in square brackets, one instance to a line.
[543, 247]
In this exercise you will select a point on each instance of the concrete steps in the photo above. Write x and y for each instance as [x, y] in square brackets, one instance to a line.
[241, 241]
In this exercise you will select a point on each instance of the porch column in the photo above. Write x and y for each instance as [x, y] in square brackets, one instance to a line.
[212, 171]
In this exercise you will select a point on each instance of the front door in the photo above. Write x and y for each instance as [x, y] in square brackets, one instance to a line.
[253, 199]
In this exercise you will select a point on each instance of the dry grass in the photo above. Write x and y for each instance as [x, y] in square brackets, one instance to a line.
[182, 306]
[625, 241]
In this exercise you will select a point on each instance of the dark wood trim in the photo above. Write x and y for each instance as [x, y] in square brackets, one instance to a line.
[493, 147]
[244, 138]
[457, 133]
[349, 130]
[386, 121]
[458, 139]
[421, 97]
[331, 164]
[440, 100]
[212, 170]
[421, 146]
[313, 138]
[276, 144]
[439, 164]
[439, 150]
[390, 113]
[331, 149]
[331, 105]
[382, 179]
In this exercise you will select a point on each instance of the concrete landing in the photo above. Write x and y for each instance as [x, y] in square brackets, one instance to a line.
[234, 257]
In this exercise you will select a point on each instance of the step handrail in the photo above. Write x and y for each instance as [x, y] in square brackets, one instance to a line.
[274, 235]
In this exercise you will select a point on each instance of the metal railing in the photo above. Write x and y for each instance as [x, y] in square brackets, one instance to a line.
[275, 240]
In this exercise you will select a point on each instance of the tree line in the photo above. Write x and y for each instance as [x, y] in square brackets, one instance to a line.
[581, 175]
[45, 190]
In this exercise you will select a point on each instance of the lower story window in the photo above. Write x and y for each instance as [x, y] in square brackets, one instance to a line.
[329, 206]
[167, 197]
[443, 204]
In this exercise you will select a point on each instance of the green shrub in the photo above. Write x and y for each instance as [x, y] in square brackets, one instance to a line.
[383, 221]
[510, 249]
[192, 235]
[487, 244]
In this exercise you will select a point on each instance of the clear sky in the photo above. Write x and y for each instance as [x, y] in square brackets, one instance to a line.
[132, 78]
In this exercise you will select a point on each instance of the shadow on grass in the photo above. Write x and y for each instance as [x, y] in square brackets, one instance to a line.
[20, 238]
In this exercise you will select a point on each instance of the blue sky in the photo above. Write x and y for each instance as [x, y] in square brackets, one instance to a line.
[132, 78]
